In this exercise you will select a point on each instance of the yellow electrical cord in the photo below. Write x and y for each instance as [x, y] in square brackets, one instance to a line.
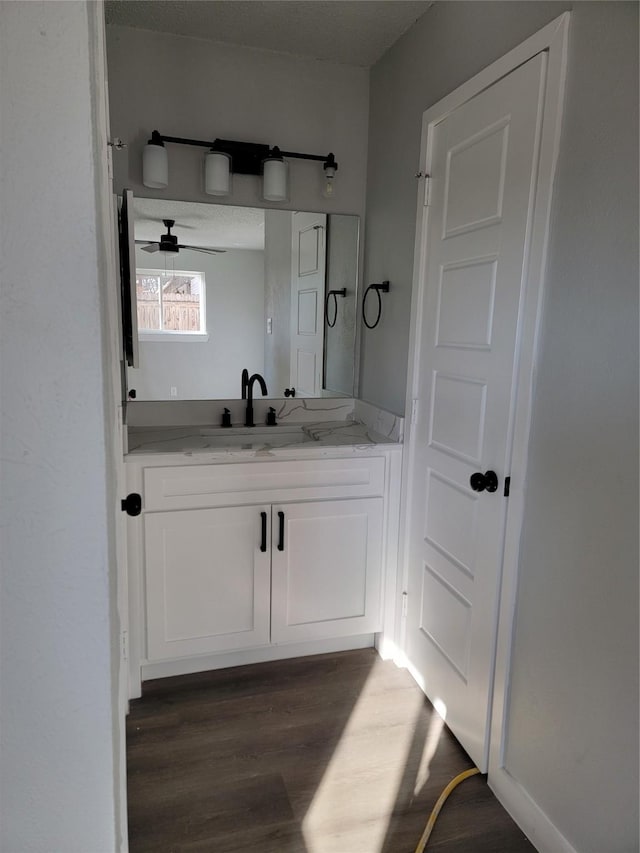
[438, 806]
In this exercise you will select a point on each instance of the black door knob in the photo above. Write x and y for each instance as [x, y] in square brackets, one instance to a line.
[480, 482]
[132, 504]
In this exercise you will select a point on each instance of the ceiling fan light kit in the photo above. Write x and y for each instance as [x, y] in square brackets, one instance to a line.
[168, 243]
[226, 157]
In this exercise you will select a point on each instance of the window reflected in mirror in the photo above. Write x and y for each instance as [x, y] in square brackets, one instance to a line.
[170, 302]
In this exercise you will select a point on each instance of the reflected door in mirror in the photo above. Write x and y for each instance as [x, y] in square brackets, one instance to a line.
[308, 266]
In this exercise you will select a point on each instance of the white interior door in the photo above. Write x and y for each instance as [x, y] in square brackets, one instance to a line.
[308, 264]
[482, 158]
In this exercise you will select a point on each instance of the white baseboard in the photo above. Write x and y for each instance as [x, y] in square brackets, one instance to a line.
[182, 666]
[536, 825]
[388, 650]
[541, 832]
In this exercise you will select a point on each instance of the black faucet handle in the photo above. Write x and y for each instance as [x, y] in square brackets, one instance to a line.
[271, 417]
[226, 418]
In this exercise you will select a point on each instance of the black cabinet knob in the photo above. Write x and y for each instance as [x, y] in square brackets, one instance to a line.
[480, 482]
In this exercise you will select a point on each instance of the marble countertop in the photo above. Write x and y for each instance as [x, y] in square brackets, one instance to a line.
[307, 438]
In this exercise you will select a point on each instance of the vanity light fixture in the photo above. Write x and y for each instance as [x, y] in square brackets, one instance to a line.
[330, 168]
[226, 157]
[155, 163]
[274, 177]
[217, 173]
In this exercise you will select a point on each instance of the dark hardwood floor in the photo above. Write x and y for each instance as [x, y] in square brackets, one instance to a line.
[336, 753]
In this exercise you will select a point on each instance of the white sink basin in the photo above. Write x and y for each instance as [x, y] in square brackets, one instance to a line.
[277, 436]
[260, 430]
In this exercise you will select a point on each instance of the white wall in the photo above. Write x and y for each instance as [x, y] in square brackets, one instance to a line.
[235, 313]
[445, 47]
[573, 723]
[201, 89]
[57, 695]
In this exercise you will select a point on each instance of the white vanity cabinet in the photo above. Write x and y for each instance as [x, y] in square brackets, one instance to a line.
[233, 562]
[217, 580]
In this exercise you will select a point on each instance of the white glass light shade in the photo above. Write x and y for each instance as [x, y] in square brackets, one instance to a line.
[155, 167]
[329, 178]
[274, 180]
[217, 173]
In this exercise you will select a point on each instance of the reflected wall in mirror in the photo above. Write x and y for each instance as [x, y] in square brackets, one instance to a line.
[272, 291]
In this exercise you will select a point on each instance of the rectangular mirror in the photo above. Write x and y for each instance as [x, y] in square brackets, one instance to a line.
[222, 288]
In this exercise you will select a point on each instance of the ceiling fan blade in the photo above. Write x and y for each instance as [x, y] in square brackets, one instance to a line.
[150, 247]
[203, 249]
[160, 221]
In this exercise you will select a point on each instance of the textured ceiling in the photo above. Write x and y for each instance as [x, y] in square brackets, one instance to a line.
[355, 32]
[216, 226]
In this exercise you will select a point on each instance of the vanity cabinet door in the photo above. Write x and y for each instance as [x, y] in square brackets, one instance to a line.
[207, 580]
[326, 567]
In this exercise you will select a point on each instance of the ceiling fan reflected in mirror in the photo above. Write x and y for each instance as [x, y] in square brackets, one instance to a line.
[169, 243]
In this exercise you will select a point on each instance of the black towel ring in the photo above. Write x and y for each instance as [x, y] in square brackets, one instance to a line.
[384, 287]
[335, 294]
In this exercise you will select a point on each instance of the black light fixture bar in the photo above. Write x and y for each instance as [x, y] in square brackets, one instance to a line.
[247, 157]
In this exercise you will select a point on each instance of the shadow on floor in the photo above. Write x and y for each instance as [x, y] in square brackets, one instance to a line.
[208, 754]
[337, 753]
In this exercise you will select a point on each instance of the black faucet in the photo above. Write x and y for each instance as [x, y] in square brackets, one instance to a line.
[248, 421]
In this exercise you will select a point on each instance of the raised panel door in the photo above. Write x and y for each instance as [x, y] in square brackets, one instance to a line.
[326, 567]
[308, 269]
[207, 580]
[483, 169]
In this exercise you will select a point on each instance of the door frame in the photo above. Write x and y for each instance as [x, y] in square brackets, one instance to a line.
[114, 418]
[553, 38]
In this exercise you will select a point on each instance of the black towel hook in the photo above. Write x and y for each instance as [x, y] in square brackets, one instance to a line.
[384, 287]
[335, 294]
